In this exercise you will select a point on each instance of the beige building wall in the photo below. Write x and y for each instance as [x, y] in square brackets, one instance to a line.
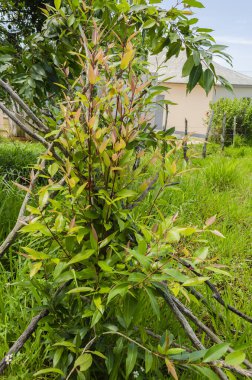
[193, 107]
[4, 125]
[239, 92]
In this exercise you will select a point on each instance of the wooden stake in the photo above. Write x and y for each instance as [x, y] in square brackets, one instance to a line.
[204, 152]
[223, 136]
[185, 147]
[234, 130]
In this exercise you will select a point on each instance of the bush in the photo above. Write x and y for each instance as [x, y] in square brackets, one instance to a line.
[242, 109]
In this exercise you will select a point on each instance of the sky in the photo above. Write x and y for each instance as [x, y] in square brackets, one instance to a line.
[232, 24]
[231, 21]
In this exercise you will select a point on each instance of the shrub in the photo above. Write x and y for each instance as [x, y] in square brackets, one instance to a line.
[239, 108]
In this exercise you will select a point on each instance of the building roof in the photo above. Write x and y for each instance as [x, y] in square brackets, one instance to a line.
[171, 71]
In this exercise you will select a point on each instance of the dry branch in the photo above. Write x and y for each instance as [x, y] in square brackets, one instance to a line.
[14, 96]
[216, 295]
[203, 327]
[22, 339]
[186, 326]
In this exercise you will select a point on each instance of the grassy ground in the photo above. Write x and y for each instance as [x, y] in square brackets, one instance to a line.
[219, 185]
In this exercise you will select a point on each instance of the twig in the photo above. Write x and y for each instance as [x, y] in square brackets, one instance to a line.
[22, 339]
[24, 106]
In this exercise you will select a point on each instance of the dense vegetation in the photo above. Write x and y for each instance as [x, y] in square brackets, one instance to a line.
[203, 192]
[238, 111]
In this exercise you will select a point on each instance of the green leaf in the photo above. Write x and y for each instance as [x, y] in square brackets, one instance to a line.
[52, 169]
[84, 362]
[81, 256]
[175, 351]
[35, 255]
[153, 302]
[104, 266]
[235, 358]
[195, 281]
[96, 317]
[218, 271]
[194, 3]
[71, 20]
[148, 361]
[126, 193]
[131, 358]
[149, 24]
[57, 4]
[194, 77]
[215, 352]
[207, 372]
[57, 356]
[201, 254]
[187, 68]
[208, 80]
[121, 289]
[49, 370]
[81, 289]
[36, 227]
[143, 260]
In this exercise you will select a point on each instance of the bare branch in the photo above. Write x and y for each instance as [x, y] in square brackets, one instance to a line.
[186, 326]
[203, 327]
[24, 106]
[22, 339]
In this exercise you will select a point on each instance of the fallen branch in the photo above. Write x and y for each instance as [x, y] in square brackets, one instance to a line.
[203, 327]
[22, 339]
[24, 106]
[186, 326]
[216, 295]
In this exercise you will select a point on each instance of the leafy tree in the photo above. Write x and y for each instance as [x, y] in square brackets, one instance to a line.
[104, 260]
[20, 19]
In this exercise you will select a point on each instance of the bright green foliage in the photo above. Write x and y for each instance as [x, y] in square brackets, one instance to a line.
[242, 109]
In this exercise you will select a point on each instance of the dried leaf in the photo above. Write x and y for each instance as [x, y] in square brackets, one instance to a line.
[171, 368]
[210, 221]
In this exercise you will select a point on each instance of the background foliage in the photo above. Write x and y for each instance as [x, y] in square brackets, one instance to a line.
[242, 109]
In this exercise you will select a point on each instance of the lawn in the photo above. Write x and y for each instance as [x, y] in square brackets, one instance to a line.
[219, 185]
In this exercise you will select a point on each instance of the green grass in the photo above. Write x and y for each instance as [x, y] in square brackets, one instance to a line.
[222, 186]
[16, 158]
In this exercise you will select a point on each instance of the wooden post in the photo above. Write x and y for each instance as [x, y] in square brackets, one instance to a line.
[185, 147]
[223, 136]
[234, 130]
[207, 135]
[166, 117]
